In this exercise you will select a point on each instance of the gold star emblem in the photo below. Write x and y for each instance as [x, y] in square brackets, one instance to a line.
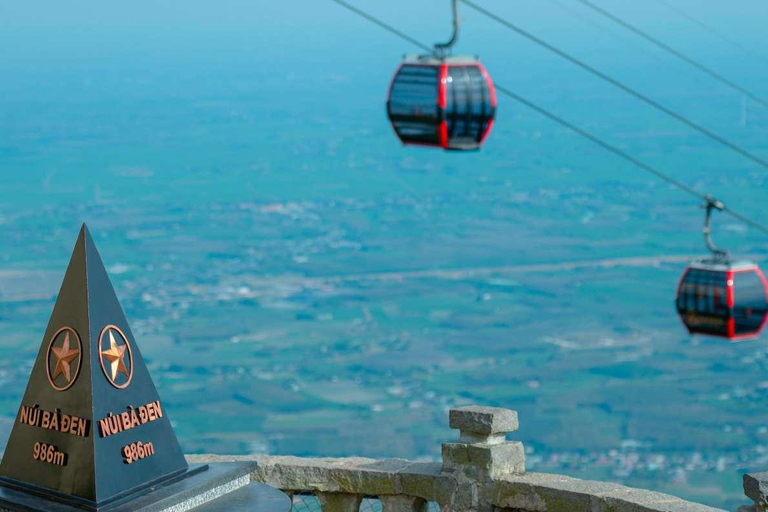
[64, 356]
[64, 359]
[115, 356]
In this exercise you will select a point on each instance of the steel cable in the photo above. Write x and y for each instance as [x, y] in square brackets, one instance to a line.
[713, 30]
[629, 90]
[701, 67]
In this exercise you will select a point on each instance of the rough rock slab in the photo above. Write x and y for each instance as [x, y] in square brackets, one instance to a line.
[483, 421]
[756, 487]
[494, 459]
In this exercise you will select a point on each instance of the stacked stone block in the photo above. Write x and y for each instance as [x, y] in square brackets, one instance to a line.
[482, 452]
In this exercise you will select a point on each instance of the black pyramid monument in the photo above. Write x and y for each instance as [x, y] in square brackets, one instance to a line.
[91, 429]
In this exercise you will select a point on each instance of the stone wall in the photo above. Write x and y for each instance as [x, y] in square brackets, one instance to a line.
[482, 471]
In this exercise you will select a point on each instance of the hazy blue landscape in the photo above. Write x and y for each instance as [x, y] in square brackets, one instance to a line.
[300, 283]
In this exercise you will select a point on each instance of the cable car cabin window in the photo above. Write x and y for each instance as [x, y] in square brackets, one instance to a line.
[413, 107]
[749, 308]
[702, 302]
[468, 108]
[703, 291]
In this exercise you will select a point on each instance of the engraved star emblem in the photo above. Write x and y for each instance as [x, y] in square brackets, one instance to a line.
[115, 356]
[64, 356]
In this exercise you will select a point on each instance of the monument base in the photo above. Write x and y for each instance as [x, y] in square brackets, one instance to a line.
[221, 487]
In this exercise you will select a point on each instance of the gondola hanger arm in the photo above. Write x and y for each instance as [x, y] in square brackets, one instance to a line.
[442, 48]
[713, 204]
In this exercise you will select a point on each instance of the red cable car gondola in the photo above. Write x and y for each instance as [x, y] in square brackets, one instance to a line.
[721, 297]
[442, 101]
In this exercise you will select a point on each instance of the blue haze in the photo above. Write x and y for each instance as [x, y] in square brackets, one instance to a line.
[217, 147]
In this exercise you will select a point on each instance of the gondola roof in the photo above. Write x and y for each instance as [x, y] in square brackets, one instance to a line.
[720, 266]
[432, 60]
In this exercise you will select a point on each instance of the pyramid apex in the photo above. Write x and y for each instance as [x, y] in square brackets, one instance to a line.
[84, 237]
[85, 232]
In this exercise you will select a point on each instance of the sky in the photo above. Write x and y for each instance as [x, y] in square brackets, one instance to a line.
[43, 41]
[74, 30]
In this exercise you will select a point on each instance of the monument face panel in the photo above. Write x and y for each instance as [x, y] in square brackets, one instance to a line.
[91, 428]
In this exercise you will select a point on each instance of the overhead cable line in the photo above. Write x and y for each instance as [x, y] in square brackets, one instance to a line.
[600, 142]
[629, 90]
[580, 131]
[626, 156]
[698, 65]
[593, 23]
[709, 28]
[383, 25]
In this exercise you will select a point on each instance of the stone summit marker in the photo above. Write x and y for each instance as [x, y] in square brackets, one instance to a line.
[92, 432]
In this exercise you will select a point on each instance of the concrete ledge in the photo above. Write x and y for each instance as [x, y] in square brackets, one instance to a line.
[354, 475]
[540, 492]
[530, 492]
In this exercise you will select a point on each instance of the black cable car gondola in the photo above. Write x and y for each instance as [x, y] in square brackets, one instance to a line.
[721, 297]
[442, 101]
